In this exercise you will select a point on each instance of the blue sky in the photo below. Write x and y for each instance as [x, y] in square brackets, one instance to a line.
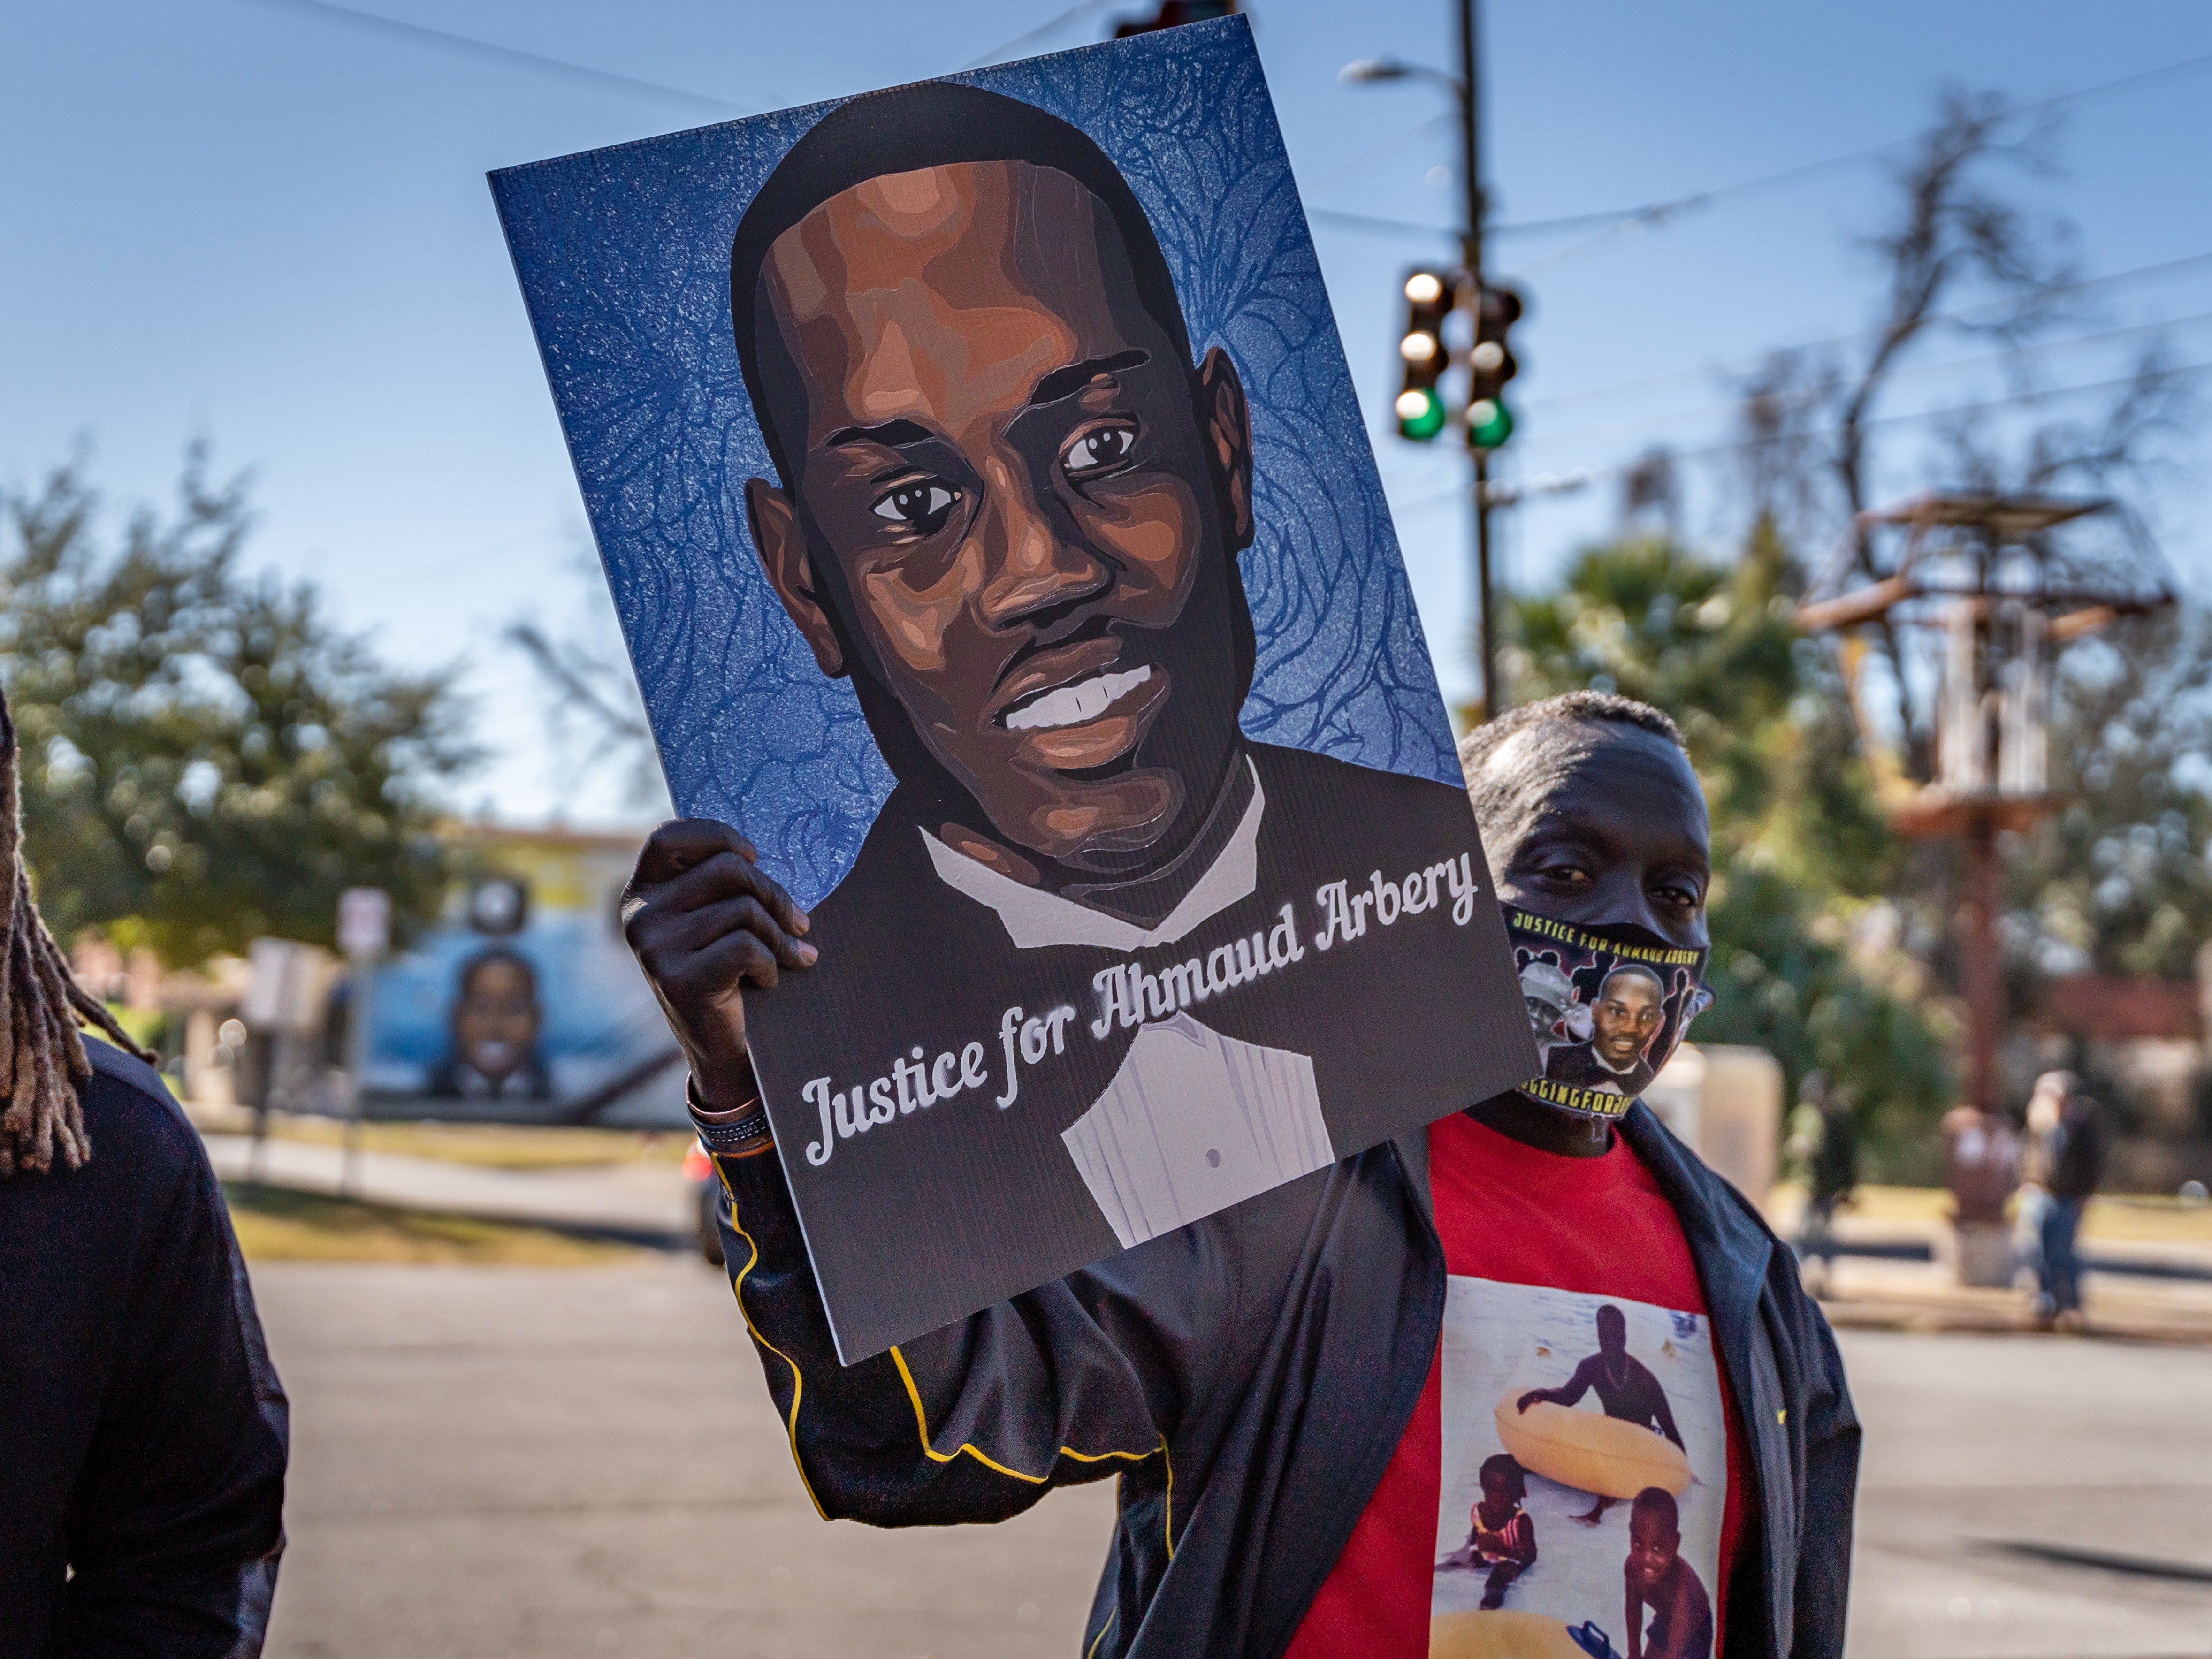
[242, 219]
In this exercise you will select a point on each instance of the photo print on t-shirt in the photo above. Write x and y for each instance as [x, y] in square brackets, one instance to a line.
[1584, 1474]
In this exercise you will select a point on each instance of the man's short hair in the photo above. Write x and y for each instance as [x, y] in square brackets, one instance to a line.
[1495, 793]
[1633, 970]
[931, 124]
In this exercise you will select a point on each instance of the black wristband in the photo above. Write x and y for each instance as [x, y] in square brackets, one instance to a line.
[728, 1139]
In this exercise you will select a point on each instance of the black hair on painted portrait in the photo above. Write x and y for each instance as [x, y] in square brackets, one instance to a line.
[1088, 237]
[929, 124]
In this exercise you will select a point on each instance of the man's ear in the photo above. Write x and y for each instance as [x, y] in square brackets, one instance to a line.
[1226, 428]
[781, 546]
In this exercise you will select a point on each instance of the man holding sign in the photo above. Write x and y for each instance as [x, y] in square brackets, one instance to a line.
[1248, 1375]
[1010, 509]
[1112, 1119]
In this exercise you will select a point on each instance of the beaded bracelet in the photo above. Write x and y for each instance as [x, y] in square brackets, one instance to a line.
[733, 1138]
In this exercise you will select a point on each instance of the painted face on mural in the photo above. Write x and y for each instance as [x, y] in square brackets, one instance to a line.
[496, 1017]
[1019, 500]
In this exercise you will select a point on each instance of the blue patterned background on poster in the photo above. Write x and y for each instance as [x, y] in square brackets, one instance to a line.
[623, 258]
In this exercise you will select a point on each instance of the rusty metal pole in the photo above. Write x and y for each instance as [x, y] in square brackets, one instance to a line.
[1983, 975]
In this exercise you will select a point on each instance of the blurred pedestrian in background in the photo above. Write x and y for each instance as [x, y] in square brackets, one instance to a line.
[1981, 1166]
[142, 1428]
[2065, 1161]
[1823, 1149]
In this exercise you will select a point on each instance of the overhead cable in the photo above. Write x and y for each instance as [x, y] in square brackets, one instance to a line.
[515, 56]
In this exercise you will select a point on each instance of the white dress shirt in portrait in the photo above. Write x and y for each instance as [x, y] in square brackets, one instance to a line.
[1193, 1121]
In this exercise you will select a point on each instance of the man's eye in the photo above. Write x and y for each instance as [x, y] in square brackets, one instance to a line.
[922, 506]
[1566, 873]
[1098, 452]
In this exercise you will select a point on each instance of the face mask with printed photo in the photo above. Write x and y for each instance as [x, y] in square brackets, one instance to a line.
[1608, 1005]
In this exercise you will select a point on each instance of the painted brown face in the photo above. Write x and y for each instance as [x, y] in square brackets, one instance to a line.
[1020, 500]
[496, 1019]
[1627, 1015]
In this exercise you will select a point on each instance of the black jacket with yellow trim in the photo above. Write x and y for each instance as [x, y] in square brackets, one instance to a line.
[1248, 1378]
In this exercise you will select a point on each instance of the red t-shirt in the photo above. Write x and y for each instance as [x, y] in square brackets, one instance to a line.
[1538, 1248]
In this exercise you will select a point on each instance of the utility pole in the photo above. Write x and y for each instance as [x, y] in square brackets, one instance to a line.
[1470, 113]
[1420, 406]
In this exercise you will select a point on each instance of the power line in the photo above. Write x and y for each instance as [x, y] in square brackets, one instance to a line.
[515, 56]
[1737, 445]
[1371, 221]
[1028, 35]
[1657, 212]
[1560, 400]
[1955, 363]
[1445, 121]
[1654, 213]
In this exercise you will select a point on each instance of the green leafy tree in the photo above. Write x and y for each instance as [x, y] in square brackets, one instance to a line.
[207, 755]
[1801, 855]
[2120, 883]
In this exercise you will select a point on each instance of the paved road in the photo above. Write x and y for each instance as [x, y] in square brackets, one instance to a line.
[511, 1461]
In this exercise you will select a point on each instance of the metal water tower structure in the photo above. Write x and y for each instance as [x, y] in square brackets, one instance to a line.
[1978, 598]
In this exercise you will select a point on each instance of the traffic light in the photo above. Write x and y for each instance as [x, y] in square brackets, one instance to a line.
[1428, 299]
[1490, 365]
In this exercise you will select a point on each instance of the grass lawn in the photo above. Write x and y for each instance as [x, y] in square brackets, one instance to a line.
[275, 1224]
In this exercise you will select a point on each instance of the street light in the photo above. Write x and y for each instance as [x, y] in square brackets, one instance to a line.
[1368, 72]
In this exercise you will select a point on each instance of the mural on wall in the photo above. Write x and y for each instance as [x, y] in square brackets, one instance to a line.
[523, 1003]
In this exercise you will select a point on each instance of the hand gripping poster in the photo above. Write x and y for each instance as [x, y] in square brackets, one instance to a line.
[983, 493]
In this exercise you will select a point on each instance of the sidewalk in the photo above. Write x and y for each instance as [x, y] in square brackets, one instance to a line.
[1891, 1277]
[647, 1203]
[2149, 1266]
[1881, 1294]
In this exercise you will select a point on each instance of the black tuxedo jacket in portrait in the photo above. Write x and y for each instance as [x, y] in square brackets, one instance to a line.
[962, 1117]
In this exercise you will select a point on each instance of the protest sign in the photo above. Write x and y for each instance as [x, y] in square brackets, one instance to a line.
[987, 508]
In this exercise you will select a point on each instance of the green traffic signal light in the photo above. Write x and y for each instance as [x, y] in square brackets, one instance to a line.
[1420, 414]
[1489, 424]
[1430, 297]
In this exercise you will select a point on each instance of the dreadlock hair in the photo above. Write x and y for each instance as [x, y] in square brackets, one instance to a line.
[43, 1065]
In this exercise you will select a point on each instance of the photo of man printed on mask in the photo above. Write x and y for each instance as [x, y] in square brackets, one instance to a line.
[1103, 963]
[1607, 1008]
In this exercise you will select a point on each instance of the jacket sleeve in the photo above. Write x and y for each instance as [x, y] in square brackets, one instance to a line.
[176, 1522]
[1076, 1381]
[1830, 1492]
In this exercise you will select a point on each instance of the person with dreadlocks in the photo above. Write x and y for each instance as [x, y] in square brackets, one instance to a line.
[142, 1430]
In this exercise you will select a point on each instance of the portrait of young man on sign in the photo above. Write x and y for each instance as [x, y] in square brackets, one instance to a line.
[1104, 963]
[1607, 1013]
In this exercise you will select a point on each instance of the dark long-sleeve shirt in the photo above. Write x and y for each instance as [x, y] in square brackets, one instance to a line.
[142, 1427]
[1248, 1378]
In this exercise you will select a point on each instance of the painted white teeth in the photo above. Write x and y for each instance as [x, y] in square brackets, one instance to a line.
[1072, 705]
